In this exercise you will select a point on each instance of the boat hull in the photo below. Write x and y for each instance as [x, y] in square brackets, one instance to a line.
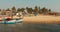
[11, 22]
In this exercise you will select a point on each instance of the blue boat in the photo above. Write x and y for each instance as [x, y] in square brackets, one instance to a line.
[11, 21]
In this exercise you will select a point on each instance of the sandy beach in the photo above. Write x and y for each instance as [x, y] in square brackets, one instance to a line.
[42, 19]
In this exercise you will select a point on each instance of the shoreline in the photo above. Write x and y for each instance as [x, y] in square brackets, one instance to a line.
[43, 19]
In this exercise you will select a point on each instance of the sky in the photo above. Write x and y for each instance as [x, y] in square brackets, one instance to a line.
[50, 4]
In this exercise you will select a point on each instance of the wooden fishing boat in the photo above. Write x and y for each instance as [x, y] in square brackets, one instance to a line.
[10, 21]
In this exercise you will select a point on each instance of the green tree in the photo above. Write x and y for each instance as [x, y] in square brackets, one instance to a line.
[39, 11]
[8, 9]
[44, 10]
[13, 9]
[49, 10]
[29, 10]
[36, 10]
[0, 9]
[18, 10]
[22, 9]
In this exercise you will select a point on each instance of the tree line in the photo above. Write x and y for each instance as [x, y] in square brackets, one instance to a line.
[36, 10]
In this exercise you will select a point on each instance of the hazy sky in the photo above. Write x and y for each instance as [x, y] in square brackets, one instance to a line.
[52, 4]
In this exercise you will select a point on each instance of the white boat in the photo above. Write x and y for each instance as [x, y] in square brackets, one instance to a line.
[11, 21]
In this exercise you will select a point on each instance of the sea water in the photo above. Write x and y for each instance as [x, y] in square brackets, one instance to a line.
[42, 27]
[29, 27]
[11, 27]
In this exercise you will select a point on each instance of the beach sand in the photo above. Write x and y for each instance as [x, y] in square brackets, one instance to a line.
[42, 19]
